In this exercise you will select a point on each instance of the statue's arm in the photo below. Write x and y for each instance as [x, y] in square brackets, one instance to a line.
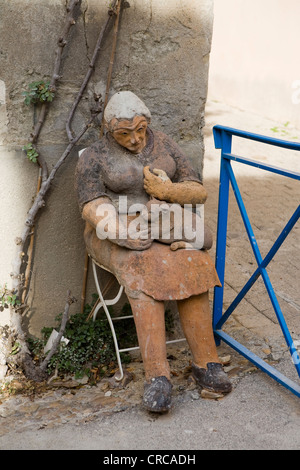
[162, 188]
[91, 212]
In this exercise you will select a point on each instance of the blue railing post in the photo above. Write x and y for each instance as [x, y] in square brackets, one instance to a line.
[223, 140]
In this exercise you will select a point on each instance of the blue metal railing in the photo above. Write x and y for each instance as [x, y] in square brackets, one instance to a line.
[223, 140]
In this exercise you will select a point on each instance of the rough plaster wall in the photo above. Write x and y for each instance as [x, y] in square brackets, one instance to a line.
[162, 56]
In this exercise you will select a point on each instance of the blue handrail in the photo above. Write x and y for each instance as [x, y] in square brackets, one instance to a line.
[249, 135]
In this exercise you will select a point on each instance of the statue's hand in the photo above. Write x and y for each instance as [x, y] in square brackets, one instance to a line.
[138, 245]
[142, 242]
[156, 184]
[161, 174]
[162, 188]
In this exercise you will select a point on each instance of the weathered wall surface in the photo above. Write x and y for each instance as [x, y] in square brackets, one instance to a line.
[254, 62]
[162, 56]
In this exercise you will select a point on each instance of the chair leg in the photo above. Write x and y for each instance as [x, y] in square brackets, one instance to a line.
[104, 305]
[108, 302]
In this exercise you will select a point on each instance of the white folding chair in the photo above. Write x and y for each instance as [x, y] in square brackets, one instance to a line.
[105, 304]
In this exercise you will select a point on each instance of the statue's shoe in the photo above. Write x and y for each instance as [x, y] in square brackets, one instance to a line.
[213, 378]
[157, 395]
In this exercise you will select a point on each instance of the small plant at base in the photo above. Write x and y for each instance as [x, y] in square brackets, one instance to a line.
[7, 298]
[31, 152]
[39, 92]
[90, 346]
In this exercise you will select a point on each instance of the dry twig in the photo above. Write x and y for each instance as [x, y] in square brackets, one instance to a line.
[88, 75]
[62, 41]
[65, 318]
[112, 59]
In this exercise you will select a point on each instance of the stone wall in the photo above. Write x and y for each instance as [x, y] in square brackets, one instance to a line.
[162, 56]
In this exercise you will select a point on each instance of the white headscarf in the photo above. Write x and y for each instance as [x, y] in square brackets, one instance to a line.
[125, 105]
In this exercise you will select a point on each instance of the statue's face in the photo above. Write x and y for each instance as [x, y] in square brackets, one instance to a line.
[131, 134]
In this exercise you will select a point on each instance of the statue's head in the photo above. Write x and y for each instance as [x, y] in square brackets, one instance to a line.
[126, 118]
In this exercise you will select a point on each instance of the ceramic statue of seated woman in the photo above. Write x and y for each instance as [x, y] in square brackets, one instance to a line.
[127, 183]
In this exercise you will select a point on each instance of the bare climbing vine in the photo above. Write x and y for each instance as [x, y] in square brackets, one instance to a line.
[44, 93]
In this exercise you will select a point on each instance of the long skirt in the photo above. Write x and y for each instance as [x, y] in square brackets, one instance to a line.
[158, 272]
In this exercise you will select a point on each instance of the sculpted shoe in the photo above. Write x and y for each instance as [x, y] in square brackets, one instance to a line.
[157, 395]
[213, 378]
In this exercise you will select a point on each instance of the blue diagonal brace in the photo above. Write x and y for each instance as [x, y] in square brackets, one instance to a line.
[260, 363]
[264, 264]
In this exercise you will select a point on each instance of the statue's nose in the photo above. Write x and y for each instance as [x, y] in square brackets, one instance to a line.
[133, 138]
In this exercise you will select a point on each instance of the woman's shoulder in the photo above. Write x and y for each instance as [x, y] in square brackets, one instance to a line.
[168, 142]
[159, 135]
[94, 151]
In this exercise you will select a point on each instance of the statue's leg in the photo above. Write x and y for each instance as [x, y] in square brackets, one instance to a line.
[196, 321]
[150, 326]
[149, 318]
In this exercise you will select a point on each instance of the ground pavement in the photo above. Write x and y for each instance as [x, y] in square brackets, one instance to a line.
[259, 413]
